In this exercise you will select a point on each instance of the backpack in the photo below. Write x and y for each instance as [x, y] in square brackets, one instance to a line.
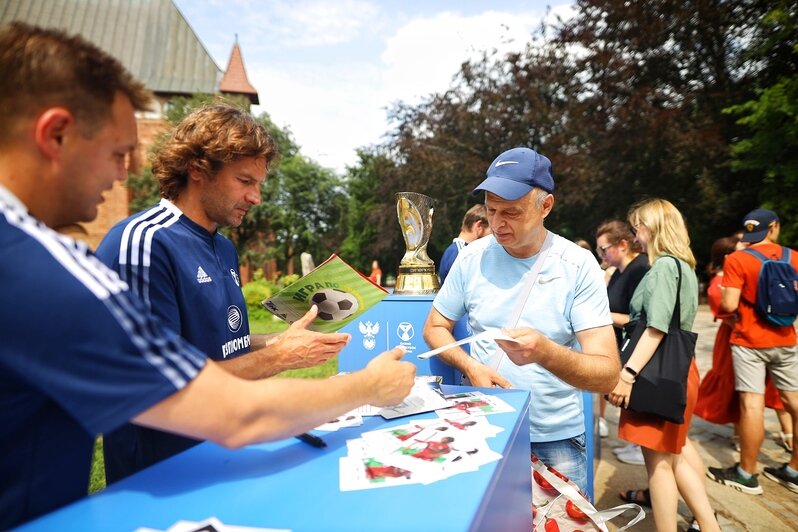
[777, 289]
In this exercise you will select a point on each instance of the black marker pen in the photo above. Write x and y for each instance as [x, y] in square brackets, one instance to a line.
[311, 440]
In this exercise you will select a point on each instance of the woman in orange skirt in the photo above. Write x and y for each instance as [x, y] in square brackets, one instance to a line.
[717, 399]
[673, 465]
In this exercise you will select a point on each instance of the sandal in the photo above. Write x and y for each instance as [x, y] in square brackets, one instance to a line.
[642, 497]
[786, 441]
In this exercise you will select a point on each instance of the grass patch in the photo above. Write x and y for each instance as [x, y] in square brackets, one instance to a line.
[97, 473]
[266, 325]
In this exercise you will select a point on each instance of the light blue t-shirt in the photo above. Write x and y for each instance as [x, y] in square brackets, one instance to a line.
[569, 296]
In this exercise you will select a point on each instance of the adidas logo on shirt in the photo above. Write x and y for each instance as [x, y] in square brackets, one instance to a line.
[203, 277]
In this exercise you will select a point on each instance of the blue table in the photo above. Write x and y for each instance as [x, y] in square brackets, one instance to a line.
[289, 484]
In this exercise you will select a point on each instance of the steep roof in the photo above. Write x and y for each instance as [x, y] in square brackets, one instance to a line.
[235, 77]
[150, 37]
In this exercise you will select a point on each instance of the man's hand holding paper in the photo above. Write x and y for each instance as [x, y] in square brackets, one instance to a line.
[522, 346]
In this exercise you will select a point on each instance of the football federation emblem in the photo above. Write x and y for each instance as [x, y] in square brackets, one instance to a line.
[334, 304]
[233, 318]
[405, 331]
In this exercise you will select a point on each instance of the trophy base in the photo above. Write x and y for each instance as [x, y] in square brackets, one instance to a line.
[417, 280]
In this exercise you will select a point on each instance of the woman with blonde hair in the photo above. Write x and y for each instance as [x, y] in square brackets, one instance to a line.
[672, 463]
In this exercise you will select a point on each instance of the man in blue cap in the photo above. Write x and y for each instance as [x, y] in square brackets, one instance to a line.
[759, 346]
[548, 294]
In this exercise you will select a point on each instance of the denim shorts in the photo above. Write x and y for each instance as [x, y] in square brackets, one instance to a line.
[568, 456]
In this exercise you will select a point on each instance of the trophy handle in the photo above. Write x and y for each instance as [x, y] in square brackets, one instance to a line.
[411, 222]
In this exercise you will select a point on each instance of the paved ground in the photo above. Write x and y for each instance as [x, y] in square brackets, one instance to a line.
[776, 510]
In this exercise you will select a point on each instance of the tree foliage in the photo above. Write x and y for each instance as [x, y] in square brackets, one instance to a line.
[369, 212]
[694, 102]
[627, 98]
[303, 208]
[769, 146]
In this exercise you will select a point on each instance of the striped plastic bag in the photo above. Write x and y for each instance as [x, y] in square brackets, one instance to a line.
[559, 506]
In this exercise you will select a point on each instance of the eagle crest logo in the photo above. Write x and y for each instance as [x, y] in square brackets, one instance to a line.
[369, 331]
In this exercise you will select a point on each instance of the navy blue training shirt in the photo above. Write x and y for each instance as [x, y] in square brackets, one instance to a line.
[79, 355]
[189, 278]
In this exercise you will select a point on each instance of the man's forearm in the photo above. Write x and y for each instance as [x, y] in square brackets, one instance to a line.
[257, 364]
[455, 357]
[293, 349]
[245, 412]
[595, 369]
[233, 412]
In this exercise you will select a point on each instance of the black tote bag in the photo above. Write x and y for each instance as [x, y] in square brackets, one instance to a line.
[660, 388]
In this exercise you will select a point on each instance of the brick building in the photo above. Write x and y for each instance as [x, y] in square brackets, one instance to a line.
[158, 46]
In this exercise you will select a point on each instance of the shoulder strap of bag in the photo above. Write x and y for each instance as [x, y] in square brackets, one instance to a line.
[755, 253]
[523, 295]
[676, 317]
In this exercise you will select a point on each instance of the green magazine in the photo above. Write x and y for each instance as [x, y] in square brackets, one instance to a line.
[340, 291]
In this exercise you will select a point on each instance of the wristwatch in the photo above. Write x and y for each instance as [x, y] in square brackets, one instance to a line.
[631, 371]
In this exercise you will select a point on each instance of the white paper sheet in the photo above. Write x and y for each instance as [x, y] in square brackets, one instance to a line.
[490, 334]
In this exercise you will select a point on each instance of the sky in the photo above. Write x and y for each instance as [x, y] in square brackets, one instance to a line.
[329, 70]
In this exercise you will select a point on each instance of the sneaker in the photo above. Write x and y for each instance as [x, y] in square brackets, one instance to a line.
[695, 527]
[781, 476]
[604, 431]
[730, 477]
[624, 449]
[633, 456]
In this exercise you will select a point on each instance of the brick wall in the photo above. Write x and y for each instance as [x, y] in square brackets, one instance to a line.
[115, 207]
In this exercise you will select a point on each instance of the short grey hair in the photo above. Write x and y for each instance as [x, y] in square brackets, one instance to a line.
[540, 196]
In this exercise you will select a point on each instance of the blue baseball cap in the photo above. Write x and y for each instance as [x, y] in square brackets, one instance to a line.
[756, 225]
[515, 172]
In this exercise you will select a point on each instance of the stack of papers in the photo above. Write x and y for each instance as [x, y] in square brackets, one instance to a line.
[425, 451]
[425, 396]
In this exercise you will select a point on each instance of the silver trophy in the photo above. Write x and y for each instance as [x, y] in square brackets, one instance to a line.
[416, 270]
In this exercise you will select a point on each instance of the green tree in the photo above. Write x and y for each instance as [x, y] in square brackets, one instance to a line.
[770, 144]
[368, 213]
[644, 114]
[303, 207]
[627, 98]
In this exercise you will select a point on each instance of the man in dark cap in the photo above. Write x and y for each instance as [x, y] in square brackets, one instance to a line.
[550, 295]
[759, 345]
